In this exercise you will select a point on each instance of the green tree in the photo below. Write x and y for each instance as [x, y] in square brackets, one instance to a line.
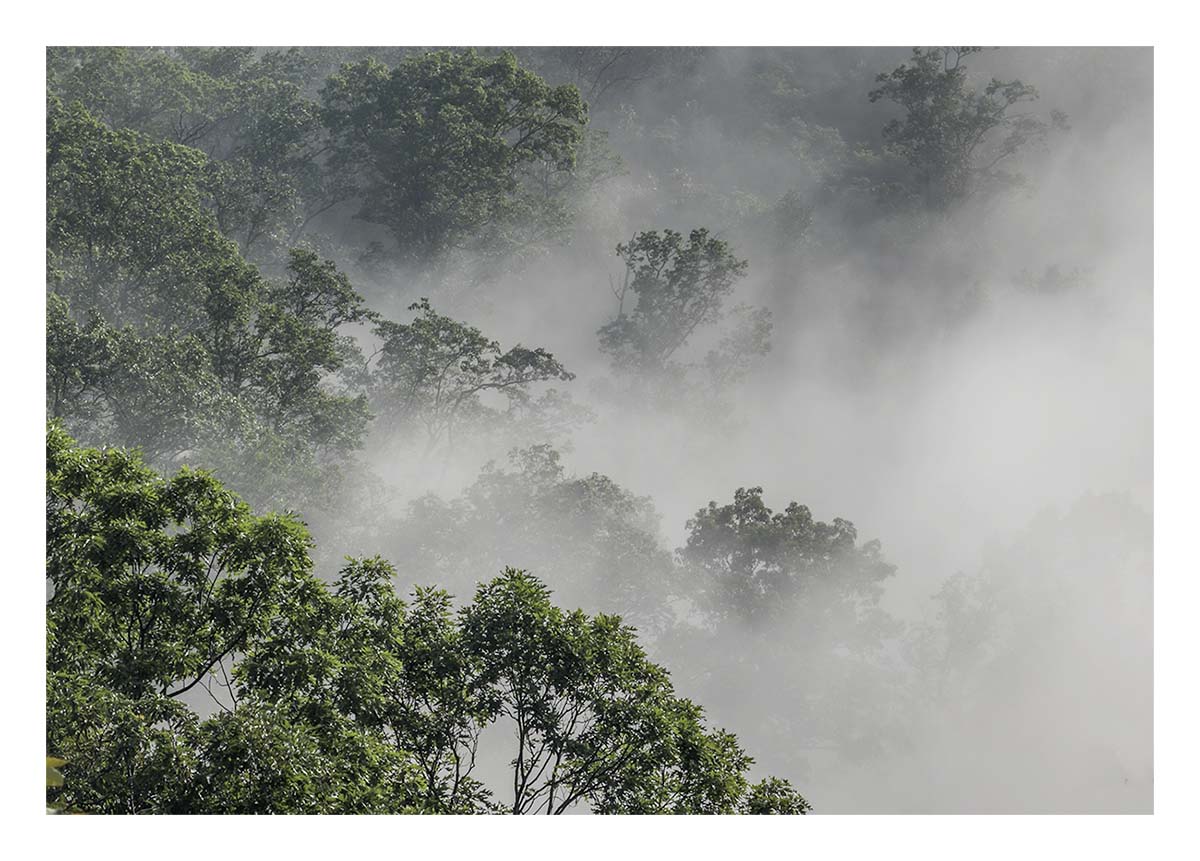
[333, 700]
[155, 586]
[789, 611]
[956, 139]
[161, 334]
[594, 542]
[596, 722]
[438, 148]
[431, 372]
[754, 564]
[157, 392]
[127, 233]
[245, 109]
[675, 287]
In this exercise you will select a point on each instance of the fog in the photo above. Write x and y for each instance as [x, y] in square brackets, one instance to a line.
[970, 387]
[932, 383]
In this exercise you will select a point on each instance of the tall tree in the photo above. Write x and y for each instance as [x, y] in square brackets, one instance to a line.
[674, 287]
[437, 147]
[957, 140]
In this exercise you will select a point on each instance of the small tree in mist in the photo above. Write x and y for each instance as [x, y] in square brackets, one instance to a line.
[755, 564]
[957, 139]
[430, 373]
[789, 615]
[592, 540]
[671, 287]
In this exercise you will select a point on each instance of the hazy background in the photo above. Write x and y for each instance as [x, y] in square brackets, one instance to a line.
[972, 388]
[918, 388]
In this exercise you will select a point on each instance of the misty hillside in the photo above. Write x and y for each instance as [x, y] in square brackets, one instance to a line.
[599, 429]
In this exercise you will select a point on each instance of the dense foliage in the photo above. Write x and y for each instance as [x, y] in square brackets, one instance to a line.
[441, 149]
[335, 699]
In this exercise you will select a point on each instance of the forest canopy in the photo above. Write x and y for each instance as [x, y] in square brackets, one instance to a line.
[469, 430]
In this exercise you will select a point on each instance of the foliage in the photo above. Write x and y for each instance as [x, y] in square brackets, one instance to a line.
[127, 234]
[431, 373]
[436, 148]
[333, 700]
[596, 722]
[677, 286]
[246, 110]
[789, 615]
[595, 543]
[755, 564]
[954, 138]
[160, 334]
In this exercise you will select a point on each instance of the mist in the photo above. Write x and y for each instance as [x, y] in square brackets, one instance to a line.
[971, 388]
[942, 438]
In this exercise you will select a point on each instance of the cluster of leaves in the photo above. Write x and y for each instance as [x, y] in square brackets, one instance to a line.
[788, 610]
[754, 564]
[592, 540]
[432, 372]
[161, 334]
[441, 149]
[339, 699]
[247, 110]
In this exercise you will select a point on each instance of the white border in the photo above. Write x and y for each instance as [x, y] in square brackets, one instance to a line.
[1176, 430]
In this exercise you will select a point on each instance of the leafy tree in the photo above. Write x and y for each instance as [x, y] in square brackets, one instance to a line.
[431, 372]
[676, 287]
[154, 585]
[165, 337]
[596, 722]
[156, 581]
[295, 345]
[754, 563]
[789, 615]
[595, 543]
[127, 233]
[246, 110]
[437, 147]
[157, 392]
[955, 139]
[342, 700]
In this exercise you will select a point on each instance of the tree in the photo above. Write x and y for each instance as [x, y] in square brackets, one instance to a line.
[755, 564]
[432, 371]
[596, 722]
[436, 147]
[245, 110]
[157, 391]
[160, 333]
[127, 233]
[954, 138]
[676, 286]
[333, 700]
[155, 586]
[594, 542]
[788, 611]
